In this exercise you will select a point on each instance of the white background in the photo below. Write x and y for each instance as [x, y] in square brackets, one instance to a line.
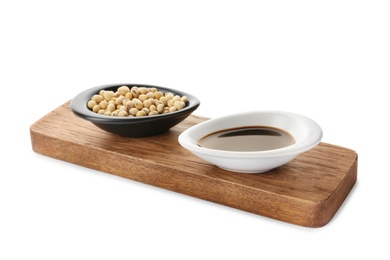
[329, 60]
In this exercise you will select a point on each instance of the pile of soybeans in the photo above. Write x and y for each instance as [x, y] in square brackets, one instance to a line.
[135, 101]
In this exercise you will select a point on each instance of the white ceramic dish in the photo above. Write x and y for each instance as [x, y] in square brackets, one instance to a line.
[306, 132]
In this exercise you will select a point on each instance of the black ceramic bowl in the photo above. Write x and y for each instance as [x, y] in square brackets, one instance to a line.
[132, 126]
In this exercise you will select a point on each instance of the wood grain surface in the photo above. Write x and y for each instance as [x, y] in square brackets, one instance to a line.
[308, 191]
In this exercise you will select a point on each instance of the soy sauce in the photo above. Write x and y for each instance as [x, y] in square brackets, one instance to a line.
[247, 139]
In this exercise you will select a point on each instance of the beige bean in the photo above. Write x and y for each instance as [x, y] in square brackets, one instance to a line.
[143, 90]
[150, 95]
[129, 95]
[138, 104]
[170, 102]
[158, 94]
[153, 113]
[130, 104]
[97, 98]
[147, 103]
[91, 104]
[141, 113]
[164, 100]
[115, 113]
[123, 113]
[135, 92]
[110, 107]
[160, 108]
[108, 95]
[123, 90]
[142, 97]
[176, 98]
[179, 105]
[133, 111]
[119, 100]
[96, 108]
[103, 104]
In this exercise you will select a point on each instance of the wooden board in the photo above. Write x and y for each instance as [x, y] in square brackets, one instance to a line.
[308, 191]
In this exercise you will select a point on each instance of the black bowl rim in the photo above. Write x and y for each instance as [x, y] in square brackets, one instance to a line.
[79, 105]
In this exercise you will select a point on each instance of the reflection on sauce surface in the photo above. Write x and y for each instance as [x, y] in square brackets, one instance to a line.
[247, 139]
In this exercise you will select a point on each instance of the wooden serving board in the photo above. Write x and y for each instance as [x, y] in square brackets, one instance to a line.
[307, 191]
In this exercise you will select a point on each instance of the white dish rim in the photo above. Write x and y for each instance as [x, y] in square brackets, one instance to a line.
[189, 138]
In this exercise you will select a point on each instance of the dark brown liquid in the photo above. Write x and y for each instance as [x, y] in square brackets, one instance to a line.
[247, 139]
